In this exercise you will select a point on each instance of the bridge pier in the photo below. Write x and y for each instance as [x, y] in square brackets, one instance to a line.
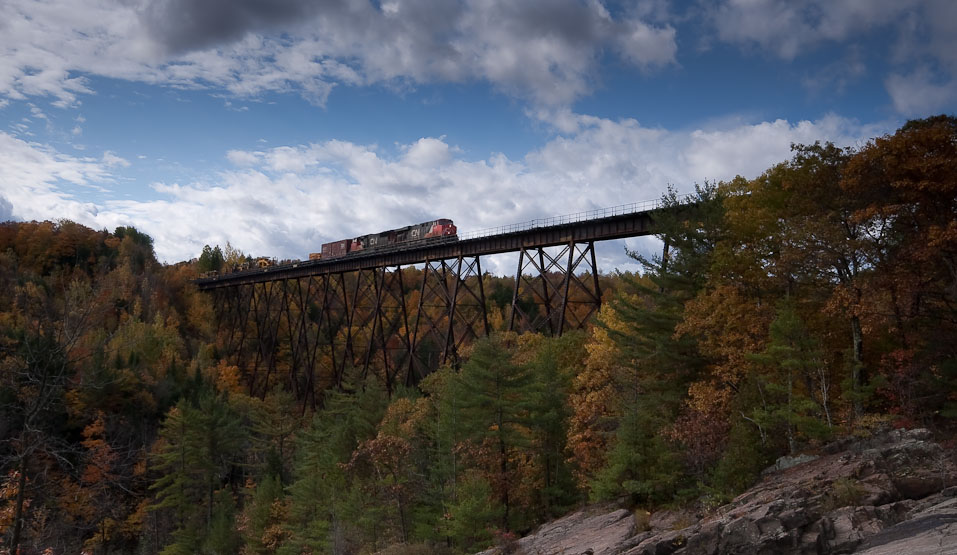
[306, 331]
[551, 289]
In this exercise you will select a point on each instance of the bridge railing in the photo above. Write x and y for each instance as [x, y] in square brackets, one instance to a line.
[597, 214]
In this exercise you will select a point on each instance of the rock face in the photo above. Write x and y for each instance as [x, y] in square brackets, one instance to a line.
[581, 532]
[891, 494]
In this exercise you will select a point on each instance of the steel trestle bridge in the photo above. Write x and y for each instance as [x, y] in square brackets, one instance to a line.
[306, 323]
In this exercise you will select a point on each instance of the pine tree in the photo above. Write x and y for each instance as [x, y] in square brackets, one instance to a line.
[656, 363]
[795, 373]
[552, 369]
[494, 399]
[201, 442]
[327, 510]
[264, 516]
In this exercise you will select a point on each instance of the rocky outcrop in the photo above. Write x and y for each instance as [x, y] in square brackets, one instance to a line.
[593, 531]
[892, 493]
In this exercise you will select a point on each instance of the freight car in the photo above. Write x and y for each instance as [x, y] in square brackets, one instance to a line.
[427, 231]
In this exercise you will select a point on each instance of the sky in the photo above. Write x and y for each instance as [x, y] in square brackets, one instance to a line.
[278, 125]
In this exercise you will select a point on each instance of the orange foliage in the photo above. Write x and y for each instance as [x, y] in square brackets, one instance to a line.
[592, 399]
[728, 326]
[101, 457]
[8, 494]
[227, 378]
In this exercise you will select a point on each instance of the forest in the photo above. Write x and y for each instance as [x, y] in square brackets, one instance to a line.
[816, 301]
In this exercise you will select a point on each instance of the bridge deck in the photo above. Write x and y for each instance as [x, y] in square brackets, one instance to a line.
[618, 226]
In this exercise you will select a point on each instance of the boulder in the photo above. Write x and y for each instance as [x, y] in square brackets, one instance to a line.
[895, 492]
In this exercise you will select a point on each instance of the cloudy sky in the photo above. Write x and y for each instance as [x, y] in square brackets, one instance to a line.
[278, 125]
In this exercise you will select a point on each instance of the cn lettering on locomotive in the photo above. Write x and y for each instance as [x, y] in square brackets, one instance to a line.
[428, 231]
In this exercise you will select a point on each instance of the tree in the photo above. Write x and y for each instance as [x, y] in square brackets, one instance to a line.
[793, 360]
[819, 243]
[211, 259]
[325, 506]
[593, 401]
[552, 368]
[38, 354]
[200, 443]
[263, 520]
[657, 363]
[471, 512]
[493, 397]
[908, 185]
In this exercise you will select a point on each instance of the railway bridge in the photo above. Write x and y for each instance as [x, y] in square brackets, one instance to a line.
[307, 323]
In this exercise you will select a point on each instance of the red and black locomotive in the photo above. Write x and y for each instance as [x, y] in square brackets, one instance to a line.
[427, 231]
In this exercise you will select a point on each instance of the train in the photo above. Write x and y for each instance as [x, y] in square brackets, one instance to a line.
[434, 230]
[442, 229]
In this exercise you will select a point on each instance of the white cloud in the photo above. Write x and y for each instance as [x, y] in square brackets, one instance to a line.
[920, 93]
[110, 159]
[34, 178]
[543, 50]
[921, 57]
[286, 201]
[428, 152]
[243, 157]
[645, 45]
[789, 28]
[6, 209]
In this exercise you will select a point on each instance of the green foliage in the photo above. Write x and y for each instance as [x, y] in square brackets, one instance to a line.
[793, 391]
[741, 463]
[211, 259]
[325, 507]
[493, 400]
[552, 369]
[137, 237]
[642, 464]
[316, 490]
[657, 364]
[263, 516]
[844, 492]
[202, 441]
[274, 423]
[223, 538]
[470, 516]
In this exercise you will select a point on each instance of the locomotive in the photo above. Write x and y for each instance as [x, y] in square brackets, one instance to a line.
[427, 231]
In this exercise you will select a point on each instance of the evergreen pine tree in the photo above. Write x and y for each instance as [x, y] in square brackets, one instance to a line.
[201, 443]
[552, 370]
[794, 389]
[657, 365]
[494, 400]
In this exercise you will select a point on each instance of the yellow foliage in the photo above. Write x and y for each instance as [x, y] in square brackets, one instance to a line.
[708, 398]
[593, 399]
[405, 417]
[227, 378]
[728, 326]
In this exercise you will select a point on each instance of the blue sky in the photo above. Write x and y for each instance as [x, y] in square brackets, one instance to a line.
[280, 125]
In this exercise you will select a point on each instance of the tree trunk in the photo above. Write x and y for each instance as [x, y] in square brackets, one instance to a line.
[504, 468]
[858, 376]
[18, 507]
[792, 444]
